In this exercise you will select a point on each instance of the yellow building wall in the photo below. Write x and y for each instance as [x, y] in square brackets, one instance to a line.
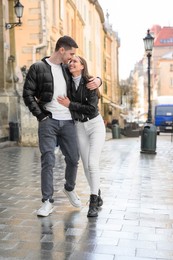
[43, 22]
[165, 84]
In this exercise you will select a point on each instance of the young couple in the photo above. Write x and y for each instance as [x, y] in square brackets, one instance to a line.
[64, 98]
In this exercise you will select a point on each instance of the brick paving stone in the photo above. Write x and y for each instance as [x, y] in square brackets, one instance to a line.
[135, 222]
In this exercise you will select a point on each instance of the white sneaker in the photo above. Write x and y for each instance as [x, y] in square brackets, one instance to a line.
[46, 209]
[73, 198]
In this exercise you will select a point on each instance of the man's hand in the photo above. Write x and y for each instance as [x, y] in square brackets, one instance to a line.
[64, 101]
[94, 83]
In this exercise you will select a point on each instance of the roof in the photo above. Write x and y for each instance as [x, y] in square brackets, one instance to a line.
[164, 37]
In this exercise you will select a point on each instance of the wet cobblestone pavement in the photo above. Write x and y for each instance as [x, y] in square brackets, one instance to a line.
[135, 222]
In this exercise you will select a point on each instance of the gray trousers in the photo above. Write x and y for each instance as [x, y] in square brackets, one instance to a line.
[63, 132]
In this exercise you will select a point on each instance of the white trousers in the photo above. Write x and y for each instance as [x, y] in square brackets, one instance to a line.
[91, 138]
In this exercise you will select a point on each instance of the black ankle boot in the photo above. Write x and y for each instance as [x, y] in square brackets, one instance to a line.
[93, 210]
[100, 201]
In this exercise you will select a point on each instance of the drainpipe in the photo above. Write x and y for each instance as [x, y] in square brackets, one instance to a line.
[43, 23]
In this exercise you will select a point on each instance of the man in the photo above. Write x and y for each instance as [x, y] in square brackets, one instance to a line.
[45, 81]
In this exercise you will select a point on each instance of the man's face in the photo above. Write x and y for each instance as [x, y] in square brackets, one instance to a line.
[67, 55]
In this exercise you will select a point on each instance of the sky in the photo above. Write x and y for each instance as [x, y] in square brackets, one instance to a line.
[131, 19]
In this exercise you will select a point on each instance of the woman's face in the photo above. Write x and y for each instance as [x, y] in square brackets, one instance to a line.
[75, 66]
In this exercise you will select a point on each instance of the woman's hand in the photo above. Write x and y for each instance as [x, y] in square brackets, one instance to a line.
[64, 101]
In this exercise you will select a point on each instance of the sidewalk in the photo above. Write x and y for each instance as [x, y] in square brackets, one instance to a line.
[135, 222]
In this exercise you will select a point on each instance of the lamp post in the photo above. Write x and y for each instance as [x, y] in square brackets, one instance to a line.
[149, 132]
[18, 8]
[148, 44]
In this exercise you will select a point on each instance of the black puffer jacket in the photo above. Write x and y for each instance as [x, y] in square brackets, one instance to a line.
[84, 102]
[39, 88]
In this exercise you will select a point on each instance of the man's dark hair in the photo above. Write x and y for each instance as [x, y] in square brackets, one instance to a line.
[66, 42]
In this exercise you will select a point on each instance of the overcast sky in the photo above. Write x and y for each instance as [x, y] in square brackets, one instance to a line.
[131, 19]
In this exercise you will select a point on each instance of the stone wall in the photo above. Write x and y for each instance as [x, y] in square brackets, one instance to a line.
[28, 127]
[4, 126]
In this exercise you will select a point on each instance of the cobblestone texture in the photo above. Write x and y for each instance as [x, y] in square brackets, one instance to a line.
[135, 222]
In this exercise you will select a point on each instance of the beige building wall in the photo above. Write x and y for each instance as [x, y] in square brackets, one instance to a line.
[9, 105]
[39, 30]
[161, 75]
[114, 71]
[165, 82]
[43, 22]
[157, 53]
[110, 71]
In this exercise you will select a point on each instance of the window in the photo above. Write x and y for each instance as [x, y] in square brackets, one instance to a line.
[61, 9]
[171, 82]
[85, 13]
[54, 12]
[168, 40]
[104, 65]
[90, 18]
[90, 51]
[171, 67]
[164, 110]
[105, 89]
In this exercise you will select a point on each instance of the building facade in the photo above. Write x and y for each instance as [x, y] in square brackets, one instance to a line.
[43, 22]
[161, 71]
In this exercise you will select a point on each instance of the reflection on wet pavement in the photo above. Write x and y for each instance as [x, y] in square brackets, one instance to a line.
[135, 222]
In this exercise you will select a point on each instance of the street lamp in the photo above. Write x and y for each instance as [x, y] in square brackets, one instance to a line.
[149, 132]
[18, 8]
[148, 43]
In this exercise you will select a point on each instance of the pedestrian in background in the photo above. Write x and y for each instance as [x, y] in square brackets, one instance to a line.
[83, 105]
[45, 81]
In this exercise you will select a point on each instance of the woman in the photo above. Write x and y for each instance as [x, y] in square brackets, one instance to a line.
[83, 105]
